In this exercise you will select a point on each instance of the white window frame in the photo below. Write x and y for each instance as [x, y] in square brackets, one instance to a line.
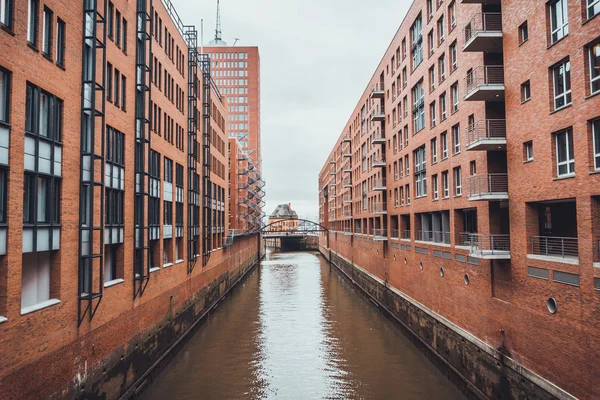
[432, 107]
[565, 96]
[454, 55]
[445, 184]
[435, 189]
[444, 140]
[434, 151]
[591, 5]
[528, 151]
[456, 138]
[596, 140]
[569, 162]
[458, 181]
[455, 97]
[558, 12]
[6, 7]
[594, 80]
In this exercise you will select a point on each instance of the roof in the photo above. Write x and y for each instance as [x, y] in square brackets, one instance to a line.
[284, 211]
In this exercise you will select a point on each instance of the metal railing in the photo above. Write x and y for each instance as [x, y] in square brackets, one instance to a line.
[379, 183]
[488, 184]
[405, 234]
[433, 236]
[484, 75]
[378, 162]
[378, 87]
[377, 111]
[378, 137]
[347, 197]
[395, 233]
[554, 246]
[481, 243]
[379, 208]
[347, 182]
[380, 232]
[485, 22]
[486, 129]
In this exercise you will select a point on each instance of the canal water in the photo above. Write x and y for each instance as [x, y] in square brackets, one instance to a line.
[295, 329]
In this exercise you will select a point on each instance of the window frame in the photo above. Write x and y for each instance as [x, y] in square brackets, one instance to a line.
[592, 4]
[596, 143]
[457, 172]
[5, 94]
[569, 152]
[33, 20]
[6, 18]
[61, 32]
[524, 32]
[47, 18]
[456, 139]
[594, 80]
[565, 96]
[561, 30]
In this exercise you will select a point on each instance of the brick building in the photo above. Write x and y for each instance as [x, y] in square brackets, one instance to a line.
[114, 193]
[467, 180]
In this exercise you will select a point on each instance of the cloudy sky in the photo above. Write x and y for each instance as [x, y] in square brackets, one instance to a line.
[316, 58]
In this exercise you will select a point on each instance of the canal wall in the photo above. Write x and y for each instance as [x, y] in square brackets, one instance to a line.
[121, 356]
[480, 370]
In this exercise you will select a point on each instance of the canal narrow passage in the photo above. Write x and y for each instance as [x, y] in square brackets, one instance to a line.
[296, 329]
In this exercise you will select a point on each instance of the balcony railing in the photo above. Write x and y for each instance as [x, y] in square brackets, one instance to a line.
[394, 233]
[488, 187]
[346, 138]
[405, 234]
[379, 208]
[433, 236]
[483, 23]
[380, 233]
[378, 138]
[377, 113]
[486, 132]
[378, 90]
[346, 168]
[347, 197]
[486, 245]
[486, 75]
[379, 184]
[379, 162]
[563, 247]
[347, 183]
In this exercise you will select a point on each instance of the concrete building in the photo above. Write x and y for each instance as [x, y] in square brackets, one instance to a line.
[466, 181]
[113, 194]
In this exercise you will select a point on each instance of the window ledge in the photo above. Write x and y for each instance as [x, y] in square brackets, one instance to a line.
[113, 282]
[61, 66]
[562, 177]
[562, 108]
[596, 172]
[39, 306]
[558, 41]
[597, 265]
[523, 42]
[589, 19]
[3, 319]
[167, 265]
[526, 101]
[7, 29]
[593, 94]
[154, 269]
[47, 57]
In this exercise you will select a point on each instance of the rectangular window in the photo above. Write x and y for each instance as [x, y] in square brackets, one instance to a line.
[115, 174]
[43, 114]
[457, 181]
[454, 56]
[4, 94]
[455, 97]
[596, 139]
[561, 77]
[524, 32]
[47, 31]
[456, 138]
[434, 151]
[118, 28]
[418, 95]
[452, 15]
[60, 42]
[431, 79]
[445, 184]
[434, 186]
[416, 33]
[432, 107]
[443, 113]
[109, 84]
[444, 139]
[430, 43]
[32, 21]
[124, 39]
[6, 13]
[123, 91]
[440, 28]
[565, 158]
[442, 67]
[420, 173]
[528, 151]
[559, 21]
[473, 168]
[525, 91]
[593, 8]
[430, 9]
[594, 56]
[117, 85]
[110, 19]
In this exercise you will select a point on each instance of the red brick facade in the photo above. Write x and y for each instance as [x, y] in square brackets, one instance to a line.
[520, 229]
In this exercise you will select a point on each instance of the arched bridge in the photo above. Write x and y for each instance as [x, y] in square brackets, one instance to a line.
[293, 233]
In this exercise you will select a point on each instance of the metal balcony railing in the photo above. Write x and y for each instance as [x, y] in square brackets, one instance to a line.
[484, 75]
[346, 138]
[483, 23]
[394, 233]
[488, 185]
[377, 112]
[379, 162]
[379, 183]
[489, 129]
[347, 197]
[485, 244]
[564, 247]
[378, 138]
[380, 233]
[379, 208]
[405, 234]
[433, 236]
[378, 89]
[347, 183]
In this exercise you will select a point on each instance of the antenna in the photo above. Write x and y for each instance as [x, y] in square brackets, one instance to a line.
[236, 40]
[218, 27]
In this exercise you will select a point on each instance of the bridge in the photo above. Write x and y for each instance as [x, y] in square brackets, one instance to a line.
[293, 234]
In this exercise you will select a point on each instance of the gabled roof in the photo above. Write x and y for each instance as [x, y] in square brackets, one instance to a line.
[284, 211]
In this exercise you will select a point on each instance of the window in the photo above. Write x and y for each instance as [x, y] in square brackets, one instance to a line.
[364, 157]
[420, 173]
[561, 76]
[123, 91]
[109, 19]
[524, 32]
[168, 203]
[431, 79]
[565, 159]
[124, 39]
[528, 151]
[47, 32]
[442, 67]
[434, 186]
[457, 181]
[418, 107]
[60, 42]
[525, 91]
[445, 184]
[455, 98]
[117, 84]
[403, 49]
[118, 28]
[6, 13]
[453, 56]
[430, 43]
[594, 56]
[115, 177]
[456, 138]
[4, 94]
[432, 107]
[109, 78]
[596, 139]
[36, 281]
[434, 151]
[443, 113]
[444, 139]
[43, 114]
[559, 21]
[440, 28]
[32, 21]
[452, 15]
[593, 8]
[416, 33]
[473, 168]
[364, 195]
[429, 9]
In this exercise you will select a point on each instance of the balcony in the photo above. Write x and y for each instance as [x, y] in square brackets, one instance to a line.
[380, 234]
[347, 169]
[433, 236]
[379, 184]
[405, 234]
[561, 249]
[378, 138]
[484, 33]
[488, 187]
[378, 90]
[332, 161]
[347, 198]
[379, 208]
[487, 246]
[485, 83]
[487, 135]
[378, 162]
[347, 212]
[394, 233]
[377, 114]
[346, 139]
[346, 151]
[347, 183]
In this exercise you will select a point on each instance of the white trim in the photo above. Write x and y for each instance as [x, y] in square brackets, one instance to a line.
[597, 265]
[3, 319]
[167, 265]
[113, 282]
[39, 306]
[154, 269]
[563, 260]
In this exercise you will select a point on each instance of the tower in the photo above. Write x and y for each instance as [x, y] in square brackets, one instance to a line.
[218, 41]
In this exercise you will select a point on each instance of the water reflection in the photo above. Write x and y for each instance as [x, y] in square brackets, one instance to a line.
[296, 330]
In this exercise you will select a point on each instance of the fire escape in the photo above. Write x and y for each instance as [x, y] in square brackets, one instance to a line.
[91, 215]
[250, 194]
[379, 162]
[141, 259]
[207, 203]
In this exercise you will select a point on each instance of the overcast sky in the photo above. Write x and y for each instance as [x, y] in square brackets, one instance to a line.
[316, 59]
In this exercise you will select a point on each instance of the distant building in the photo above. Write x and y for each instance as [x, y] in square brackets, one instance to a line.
[286, 216]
